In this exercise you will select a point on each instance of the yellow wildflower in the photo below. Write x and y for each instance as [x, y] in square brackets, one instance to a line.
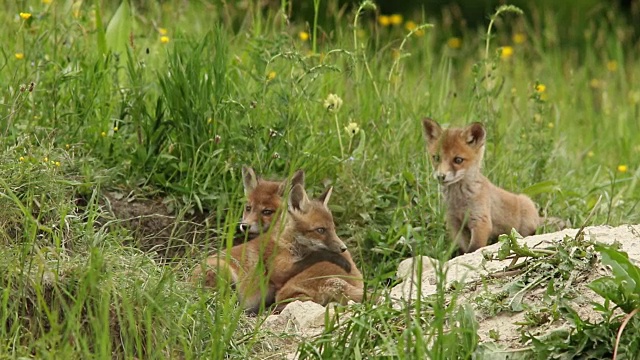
[75, 9]
[46, 2]
[271, 75]
[25, 16]
[352, 129]
[21, 158]
[551, 125]
[540, 88]
[612, 65]
[115, 129]
[396, 19]
[303, 35]
[623, 168]
[67, 146]
[595, 83]
[454, 43]
[58, 163]
[19, 56]
[46, 159]
[506, 52]
[333, 103]
[103, 134]
[164, 39]
[163, 31]
[519, 38]
[384, 20]
[590, 154]
[410, 25]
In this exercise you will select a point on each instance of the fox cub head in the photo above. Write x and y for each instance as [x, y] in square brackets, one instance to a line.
[312, 222]
[455, 152]
[263, 200]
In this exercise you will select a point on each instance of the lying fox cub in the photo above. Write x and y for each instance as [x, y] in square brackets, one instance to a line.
[263, 200]
[477, 210]
[288, 257]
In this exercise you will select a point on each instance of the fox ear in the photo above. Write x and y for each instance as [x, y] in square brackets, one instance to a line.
[326, 195]
[249, 179]
[475, 134]
[297, 178]
[432, 130]
[298, 199]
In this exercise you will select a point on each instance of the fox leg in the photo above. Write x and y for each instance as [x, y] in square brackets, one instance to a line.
[459, 233]
[480, 232]
[291, 291]
[214, 269]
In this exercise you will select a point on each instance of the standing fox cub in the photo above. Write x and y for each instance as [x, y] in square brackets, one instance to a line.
[477, 210]
[260, 268]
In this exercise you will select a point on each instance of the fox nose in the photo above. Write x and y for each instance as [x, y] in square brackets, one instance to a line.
[440, 177]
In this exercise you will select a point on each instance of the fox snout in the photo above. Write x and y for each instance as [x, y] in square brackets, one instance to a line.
[338, 246]
[253, 228]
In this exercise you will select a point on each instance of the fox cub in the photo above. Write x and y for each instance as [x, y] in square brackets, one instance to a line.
[324, 279]
[263, 200]
[261, 267]
[477, 210]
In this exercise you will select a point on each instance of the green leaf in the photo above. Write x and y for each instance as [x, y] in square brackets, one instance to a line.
[542, 187]
[100, 35]
[624, 271]
[608, 288]
[119, 28]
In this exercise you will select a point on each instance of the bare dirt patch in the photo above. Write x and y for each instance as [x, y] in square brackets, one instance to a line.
[157, 229]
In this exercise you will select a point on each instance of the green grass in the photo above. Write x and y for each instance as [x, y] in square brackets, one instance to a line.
[94, 102]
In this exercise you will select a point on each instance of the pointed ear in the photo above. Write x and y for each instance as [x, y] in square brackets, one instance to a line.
[326, 195]
[475, 134]
[432, 130]
[249, 179]
[297, 178]
[298, 199]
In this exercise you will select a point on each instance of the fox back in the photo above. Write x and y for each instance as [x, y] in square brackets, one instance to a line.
[264, 199]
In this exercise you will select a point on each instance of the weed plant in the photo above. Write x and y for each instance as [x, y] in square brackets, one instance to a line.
[167, 100]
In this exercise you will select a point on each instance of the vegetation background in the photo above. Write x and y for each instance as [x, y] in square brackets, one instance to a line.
[112, 113]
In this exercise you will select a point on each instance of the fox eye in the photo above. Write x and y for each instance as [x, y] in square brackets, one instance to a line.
[458, 160]
[267, 212]
[436, 158]
[321, 230]
[247, 208]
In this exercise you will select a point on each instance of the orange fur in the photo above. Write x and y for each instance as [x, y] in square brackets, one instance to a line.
[263, 200]
[477, 210]
[262, 266]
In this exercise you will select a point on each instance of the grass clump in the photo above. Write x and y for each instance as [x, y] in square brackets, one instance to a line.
[105, 107]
